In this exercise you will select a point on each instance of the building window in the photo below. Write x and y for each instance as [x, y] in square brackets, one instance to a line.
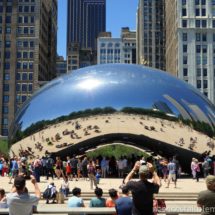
[9, 9]
[185, 48]
[32, 9]
[25, 54]
[5, 121]
[5, 110]
[6, 76]
[7, 30]
[197, 2]
[24, 98]
[184, 2]
[184, 12]
[26, 9]
[5, 98]
[30, 87]
[185, 71]
[213, 24]
[18, 87]
[6, 87]
[213, 2]
[205, 72]
[204, 48]
[8, 19]
[199, 84]
[198, 48]
[184, 23]
[7, 44]
[18, 77]
[198, 72]
[203, 12]
[197, 12]
[205, 84]
[197, 23]
[30, 76]
[204, 23]
[7, 54]
[24, 87]
[203, 2]
[31, 65]
[204, 37]
[24, 76]
[6, 65]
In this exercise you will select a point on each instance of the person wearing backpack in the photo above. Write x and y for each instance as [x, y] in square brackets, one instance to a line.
[50, 193]
[91, 173]
[49, 167]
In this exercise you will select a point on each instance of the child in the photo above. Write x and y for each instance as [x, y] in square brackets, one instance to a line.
[98, 175]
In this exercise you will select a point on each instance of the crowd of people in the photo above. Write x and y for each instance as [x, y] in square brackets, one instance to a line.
[149, 170]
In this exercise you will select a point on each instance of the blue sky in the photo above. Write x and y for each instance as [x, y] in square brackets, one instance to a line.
[119, 13]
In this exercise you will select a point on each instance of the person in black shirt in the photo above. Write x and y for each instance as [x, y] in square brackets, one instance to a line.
[143, 190]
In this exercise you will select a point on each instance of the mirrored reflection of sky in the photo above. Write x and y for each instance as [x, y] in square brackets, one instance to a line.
[114, 86]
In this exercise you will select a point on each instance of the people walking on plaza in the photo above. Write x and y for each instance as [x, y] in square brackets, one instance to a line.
[111, 201]
[76, 200]
[104, 164]
[49, 167]
[37, 168]
[74, 163]
[98, 201]
[124, 203]
[91, 173]
[84, 168]
[58, 167]
[192, 167]
[3, 201]
[14, 169]
[172, 173]
[206, 198]
[68, 168]
[120, 167]
[142, 190]
[197, 169]
[19, 200]
[206, 167]
[164, 164]
[79, 169]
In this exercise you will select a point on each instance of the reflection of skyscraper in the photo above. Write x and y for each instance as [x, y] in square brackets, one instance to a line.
[28, 31]
[162, 106]
[85, 20]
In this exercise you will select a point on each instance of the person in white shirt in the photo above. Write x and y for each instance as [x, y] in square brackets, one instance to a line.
[20, 200]
[65, 186]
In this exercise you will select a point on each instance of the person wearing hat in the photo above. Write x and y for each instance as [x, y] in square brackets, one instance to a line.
[20, 200]
[143, 190]
[206, 198]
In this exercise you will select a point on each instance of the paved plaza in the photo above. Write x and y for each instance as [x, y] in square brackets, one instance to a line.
[183, 185]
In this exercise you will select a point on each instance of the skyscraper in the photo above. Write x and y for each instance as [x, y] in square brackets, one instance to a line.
[151, 33]
[190, 43]
[28, 37]
[85, 20]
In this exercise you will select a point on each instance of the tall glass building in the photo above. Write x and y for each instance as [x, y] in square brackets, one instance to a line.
[190, 42]
[28, 38]
[85, 20]
[151, 33]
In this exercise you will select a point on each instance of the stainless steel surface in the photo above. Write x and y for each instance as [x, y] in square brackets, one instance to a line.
[111, 89]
